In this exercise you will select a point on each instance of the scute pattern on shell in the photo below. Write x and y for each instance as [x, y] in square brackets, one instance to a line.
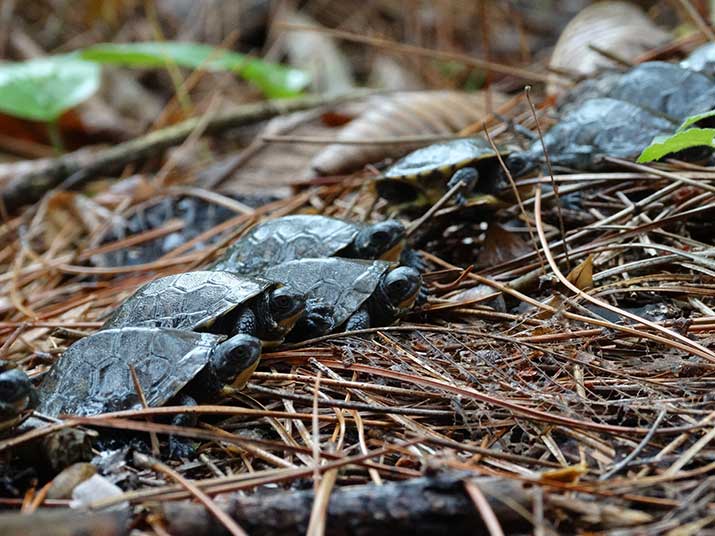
[92, 376]
[343, 283]
[660, 87]
[600, 127]
[440, 158]
[285, 239]
[186, 301]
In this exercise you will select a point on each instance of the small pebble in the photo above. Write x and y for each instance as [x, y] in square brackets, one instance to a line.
[96, 488]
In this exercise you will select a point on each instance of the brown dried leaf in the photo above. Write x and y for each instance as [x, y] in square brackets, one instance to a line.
[582, 275]
[111, 193]
[618, 27]
[63, 484]
[398, 115]
[317, 54]
[268, 168]
[501, 245]
[69, 215]
[569, 474]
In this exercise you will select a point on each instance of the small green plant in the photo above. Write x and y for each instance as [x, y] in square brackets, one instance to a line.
[43, 89]
[685, 137]
[274, 80]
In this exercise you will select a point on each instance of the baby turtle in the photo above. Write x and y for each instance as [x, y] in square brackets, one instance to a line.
[361, 293]
[93, 375]
[599, 127]
[17, 396]
[421, 178]
[662, 88]
[311, 236]
[217, 302]
[666, 88]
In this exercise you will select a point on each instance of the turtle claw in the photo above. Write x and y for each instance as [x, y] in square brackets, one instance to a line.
[413, 259]
[422, 296]
[469, 177]
[180, 447]
[360, 319]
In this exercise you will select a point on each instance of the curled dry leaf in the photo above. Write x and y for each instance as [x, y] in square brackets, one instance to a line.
[502, 245]
[616, 27]
[64, 483]
[134, 189]
[401, 115]
[569, 474]
[480, 292]
[268, 168]
[316, 54]
[391, 74]
[66, 216]
[582, 275]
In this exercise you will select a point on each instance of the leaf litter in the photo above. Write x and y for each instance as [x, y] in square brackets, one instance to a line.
[588, 392]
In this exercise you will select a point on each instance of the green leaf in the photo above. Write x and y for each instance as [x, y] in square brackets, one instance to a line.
[44, 88]
[663, 145]
[273, 79]
[690, 121]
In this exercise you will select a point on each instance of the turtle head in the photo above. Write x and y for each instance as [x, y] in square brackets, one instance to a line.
[285, 307]
[17, 396]
[235, 359]
[521, 162]
[318, 319]
[401, 287]
[384, 240]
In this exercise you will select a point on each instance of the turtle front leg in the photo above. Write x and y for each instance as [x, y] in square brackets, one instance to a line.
[246, 323]
[315, 322]
[413, 259]
[468, 177]
[360, 319]
[182, 447]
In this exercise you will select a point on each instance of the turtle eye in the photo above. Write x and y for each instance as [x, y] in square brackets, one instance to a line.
[13, 385]
[283, 302]
[380, 237]
[398, 288]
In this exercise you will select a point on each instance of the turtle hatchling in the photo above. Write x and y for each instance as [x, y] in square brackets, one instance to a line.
[311, 236]
[421, 178]
[598, 127]
[662, 88]
[93, 375]
[17, 396]
[360, 293]
[213, 301]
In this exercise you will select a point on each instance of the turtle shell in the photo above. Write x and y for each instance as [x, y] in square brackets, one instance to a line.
[343, 283]
[442, 159]
[93, 376]
[598, 127]
[189, 301]
[661, 87]
[420, 178]
[666, 88]
[285, 239]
